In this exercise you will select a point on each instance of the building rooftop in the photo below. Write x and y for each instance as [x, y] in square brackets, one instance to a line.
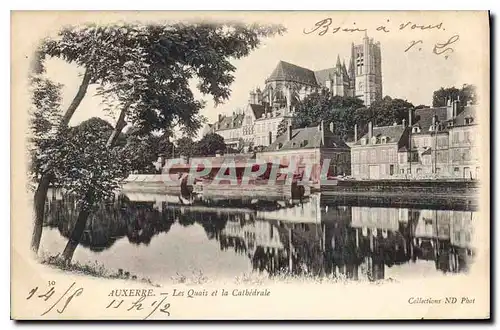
[257, 109]
[393, 133]
[423, 118]
[309, 137]
[468, 112]
[322, 76]
[230, 122]
[292, 72]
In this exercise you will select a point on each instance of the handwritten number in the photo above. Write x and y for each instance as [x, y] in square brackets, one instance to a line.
[325, 23]
[163, 310]
[51, 307]
[32, 292]
[111, 304]
[48, 294]
[75, 294]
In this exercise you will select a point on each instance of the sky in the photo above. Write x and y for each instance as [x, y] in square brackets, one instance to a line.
[412, 75]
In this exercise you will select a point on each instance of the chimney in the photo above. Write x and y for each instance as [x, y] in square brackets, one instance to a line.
[370, 130]
[410, 115]
[355, 132]
[455, 108]
[220, 116]
[404, 122]
[270, 137]
[289, 131]
[434, 122]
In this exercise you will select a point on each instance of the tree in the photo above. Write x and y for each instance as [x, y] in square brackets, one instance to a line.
[466, 94]
[85, 164]
[282, 127]
[165, 147]
[210, 144]
[144, 71]
[186, 147]
[389, 111]
[140, 152]
[322, 106]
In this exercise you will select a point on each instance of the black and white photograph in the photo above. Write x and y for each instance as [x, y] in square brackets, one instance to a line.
[226, 165]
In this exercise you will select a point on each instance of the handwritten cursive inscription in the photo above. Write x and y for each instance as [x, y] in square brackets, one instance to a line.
[143, 304]
[323, 26]
[443, 48]
[414, 43]
[326, 25]
[414, 26]
[63, 301]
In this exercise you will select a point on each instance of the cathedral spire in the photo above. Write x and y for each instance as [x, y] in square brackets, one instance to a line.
[338, 62]
[344, 69]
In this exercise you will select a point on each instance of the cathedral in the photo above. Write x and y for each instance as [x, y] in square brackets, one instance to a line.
[289, 83]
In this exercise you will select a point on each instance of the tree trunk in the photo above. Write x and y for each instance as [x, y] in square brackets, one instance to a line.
[47, 177]
[77, 232]
[39, 200]
[83, 216]
[82, 90]
[120, 124]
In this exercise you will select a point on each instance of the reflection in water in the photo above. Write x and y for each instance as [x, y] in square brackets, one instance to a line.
[317, 236]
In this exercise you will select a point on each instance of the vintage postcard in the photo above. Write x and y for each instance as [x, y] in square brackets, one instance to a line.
[250, 165]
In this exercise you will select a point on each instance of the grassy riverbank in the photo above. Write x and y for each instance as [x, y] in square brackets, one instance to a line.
[92, 269]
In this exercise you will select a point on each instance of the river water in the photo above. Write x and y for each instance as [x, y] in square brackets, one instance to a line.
[161, 237]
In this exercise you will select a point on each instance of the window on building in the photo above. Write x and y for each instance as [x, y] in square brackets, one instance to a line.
[450, 123]
[442, 141]
[363, 141]
[408, 171]
[467, 154]
[467, 137]
[456, 137]
[469, 120]
[419, 170]
[403, 157]
[364, 156]
[413, 156]
[402, 171]
[467, 173]
[391, 169]
[456, 170]
[442, 156]
[438, 170]
[354, 156]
